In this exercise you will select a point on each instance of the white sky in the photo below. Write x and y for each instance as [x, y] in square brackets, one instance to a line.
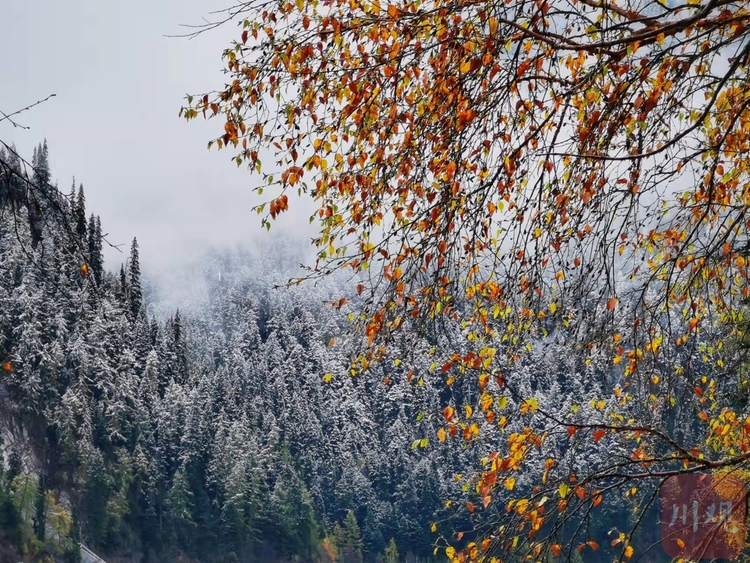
[119, 85]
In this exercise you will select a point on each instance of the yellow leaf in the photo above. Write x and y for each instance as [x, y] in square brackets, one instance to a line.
[465, 66]
[629, 551]
[509, 483]
[529, 406]
[563, 489]
[450, 553]
[441, 435]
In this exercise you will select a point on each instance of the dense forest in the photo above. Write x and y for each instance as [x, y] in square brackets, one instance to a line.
[235, 432]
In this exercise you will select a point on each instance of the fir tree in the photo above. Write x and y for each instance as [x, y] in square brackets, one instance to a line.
[40, 510]
[391, 553]
[122, 291]
[349, 540]
[40, 164]
[72, 552]
[96, 260]
[80, 215]
[134, 280]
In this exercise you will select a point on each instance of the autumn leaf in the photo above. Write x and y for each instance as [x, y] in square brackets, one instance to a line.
[563, 490]
[448, 413]
[529, 406]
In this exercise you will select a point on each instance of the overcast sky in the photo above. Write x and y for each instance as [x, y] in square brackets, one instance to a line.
[119, 83]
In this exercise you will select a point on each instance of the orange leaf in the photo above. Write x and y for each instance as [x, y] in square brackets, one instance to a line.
[598, 435]
[611, 304]
[470, 506]
[556, 549]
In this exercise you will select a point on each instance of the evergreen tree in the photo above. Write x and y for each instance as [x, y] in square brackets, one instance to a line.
[96, 494]
[40, 181]
[80, 215]
[391, 553]
[40, 164]
[134, 280]
[349, 541]
[72, 552]
[122, 290]
[96, 260]
[40, 510]
[10, 517]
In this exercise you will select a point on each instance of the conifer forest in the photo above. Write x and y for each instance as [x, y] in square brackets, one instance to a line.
[518, 332]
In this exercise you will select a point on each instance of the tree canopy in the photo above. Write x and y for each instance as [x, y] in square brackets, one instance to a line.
[572, 171]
